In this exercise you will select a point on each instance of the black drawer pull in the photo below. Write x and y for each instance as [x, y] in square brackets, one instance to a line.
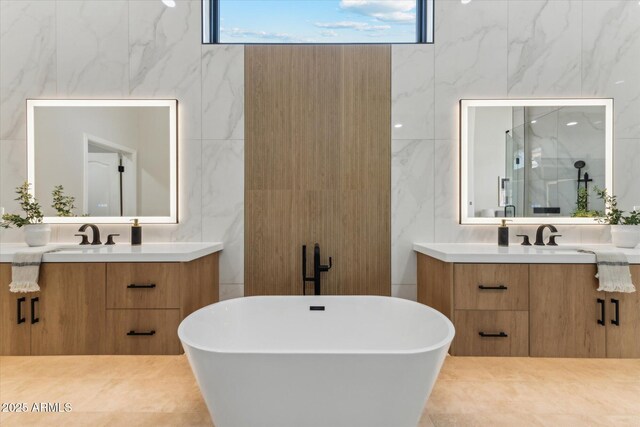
[141, 286]
[493, 288]
[34, 319]
[21, 318]
[489, 335]
[616, 303]
[134, 333]
[601, 319]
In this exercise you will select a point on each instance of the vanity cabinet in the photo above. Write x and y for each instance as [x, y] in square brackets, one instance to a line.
[543, 310]
[105, 308]
[565, 309]
[570, 318]
[623, 329]
[15, 329]
[147, 301]
[65, 317]
[488, 304]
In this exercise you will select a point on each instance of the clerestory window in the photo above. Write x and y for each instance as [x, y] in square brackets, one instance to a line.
[317, 21]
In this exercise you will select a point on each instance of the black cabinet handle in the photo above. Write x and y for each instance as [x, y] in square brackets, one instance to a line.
[34, 319]
[141, 286]
[490, 335]
[493, 288]
[134, 333]
[21, 318]
[616, 303]
[601, 319]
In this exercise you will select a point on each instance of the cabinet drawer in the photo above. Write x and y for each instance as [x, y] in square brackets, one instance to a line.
[504, 333]
[491, 287]
[143, 332]
[143, 285]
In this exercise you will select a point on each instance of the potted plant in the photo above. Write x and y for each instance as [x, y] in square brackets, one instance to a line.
[625, 232]
[35, 232]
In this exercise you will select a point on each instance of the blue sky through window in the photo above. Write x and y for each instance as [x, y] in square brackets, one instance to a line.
[317, 21]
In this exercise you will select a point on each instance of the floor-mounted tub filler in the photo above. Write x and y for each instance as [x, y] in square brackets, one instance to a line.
[303, 361]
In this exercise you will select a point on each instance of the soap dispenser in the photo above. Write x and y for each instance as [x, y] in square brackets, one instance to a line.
[136, 233]
[503, 234]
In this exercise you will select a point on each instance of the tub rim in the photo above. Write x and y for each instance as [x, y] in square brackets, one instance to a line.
[426, 349]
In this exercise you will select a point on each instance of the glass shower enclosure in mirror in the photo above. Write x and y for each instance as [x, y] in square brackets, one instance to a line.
[116, 158]
[534, 160]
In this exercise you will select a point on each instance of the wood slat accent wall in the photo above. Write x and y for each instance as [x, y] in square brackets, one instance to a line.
[318, 167]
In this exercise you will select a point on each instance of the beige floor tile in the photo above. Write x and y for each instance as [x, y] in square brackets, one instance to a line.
[484, 420]
[161, 391]
[106, 419]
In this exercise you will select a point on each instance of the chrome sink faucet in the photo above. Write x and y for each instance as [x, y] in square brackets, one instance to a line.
[552, 237]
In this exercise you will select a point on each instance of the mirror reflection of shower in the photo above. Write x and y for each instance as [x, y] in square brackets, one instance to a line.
[542, 152]
[580, 164]
[110, 178]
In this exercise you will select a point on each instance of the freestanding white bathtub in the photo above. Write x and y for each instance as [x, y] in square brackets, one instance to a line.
[327, 361]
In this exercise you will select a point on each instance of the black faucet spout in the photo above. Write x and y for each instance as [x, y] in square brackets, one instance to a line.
[95, 230]
[540, 232]
[318, 268]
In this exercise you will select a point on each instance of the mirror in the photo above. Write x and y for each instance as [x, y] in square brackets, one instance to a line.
[116, 158]
[534, 160]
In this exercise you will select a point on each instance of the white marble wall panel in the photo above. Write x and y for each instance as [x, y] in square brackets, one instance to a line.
[544, 48]
[611, 59]
[223, 92]
[223, 204]
[13, 172]
[189, 192]
[165, 58]
[27, 60]
[412, 92]
[408, 291]
[412, 204]
[470, 57]
[446, 218]
[93, 48]
[627, 169]
[592, 233]
[231, 290]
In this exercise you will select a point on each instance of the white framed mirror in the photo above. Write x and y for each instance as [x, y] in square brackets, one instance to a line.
[534, 160]
[118, 159]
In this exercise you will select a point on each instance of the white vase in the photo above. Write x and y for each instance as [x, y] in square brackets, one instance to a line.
[625, 236]
[37, 234]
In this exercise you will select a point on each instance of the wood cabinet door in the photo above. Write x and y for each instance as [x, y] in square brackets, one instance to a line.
[143, 331]
[491, 287]
[143, 285]
[71, 310]
[564, 311]
[14, 336]
[623, 326]
[491, 333]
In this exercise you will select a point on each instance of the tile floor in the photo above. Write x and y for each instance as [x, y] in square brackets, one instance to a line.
[160, 391]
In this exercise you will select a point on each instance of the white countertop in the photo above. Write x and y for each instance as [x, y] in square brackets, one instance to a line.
[120, 252]
[492, 253]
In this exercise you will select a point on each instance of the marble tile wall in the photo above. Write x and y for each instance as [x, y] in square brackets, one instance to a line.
[486, 48]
